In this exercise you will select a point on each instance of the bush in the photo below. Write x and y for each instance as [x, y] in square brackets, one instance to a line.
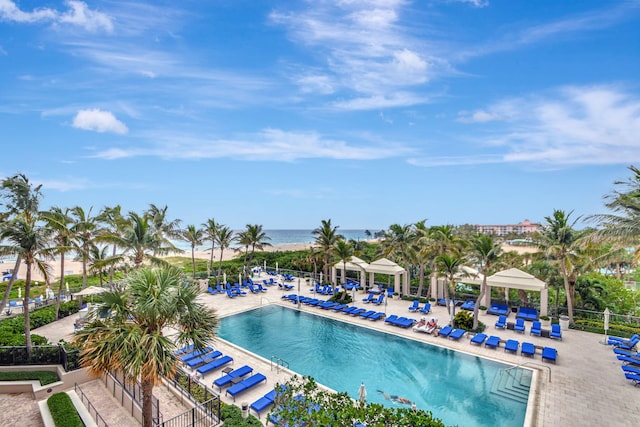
[45, 377]
[12, 330]
[597, 326]
[63, 411]
[232, 417]
[463, 320]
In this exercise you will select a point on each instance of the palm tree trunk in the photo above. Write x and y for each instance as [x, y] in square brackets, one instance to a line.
[213, 246]
[147, 403]
[5, 299]
[567, 290]
[476, 308]
[25, 308]
[421, 279]
[60, 285]
[112, 268]
[193, 260]
[220, 265]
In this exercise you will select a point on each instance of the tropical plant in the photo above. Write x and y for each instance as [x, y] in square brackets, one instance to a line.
[326, 238]
[131, 339]
[449, 267]
[485, 251]
[194, 236]
[343, 251]
[224, 240]
[164, 230]
[210, 234]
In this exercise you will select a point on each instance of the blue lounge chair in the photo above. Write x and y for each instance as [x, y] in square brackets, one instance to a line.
[633, 377]
[245, 385]
[550, 354]
[519, 326]
[194, 354]
[261, 288]
[212, 291]
[556, 331]
[215, 364]
[623, 352]
[629, 346]
[202, 359]
[264, 402]
[456, 334]
[526, 313]
[391, 319]
[426, 309]
[536, 328]
[404, 322]
[492, 342]
[512, 346]
[367, 313]
[528, 349]
[377, 316]
[630, 360]
[368, 299]
[339, 307]
[228, 379]
[358, 311]
[442, 302]
[445, 332]
[379, 300]
[614, 339]
[415, 306]
[468, 305]
[349, 310]
[499, 309]
[327, 305]
[478, 338]
[184, 350]
[230, 294]
[501, 323]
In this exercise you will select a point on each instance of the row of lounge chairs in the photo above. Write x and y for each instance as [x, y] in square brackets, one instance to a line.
[536, 327]
[400, 321]
[372, 298]
[549, 354]
[623, 348]
[335, 306]
[204, 360]
[525, 313]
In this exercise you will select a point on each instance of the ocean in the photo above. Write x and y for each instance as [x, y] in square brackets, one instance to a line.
[290, 237]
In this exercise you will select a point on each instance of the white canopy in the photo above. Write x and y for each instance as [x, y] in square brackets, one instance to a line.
[90, 290]
[517, 279]
[384, 266]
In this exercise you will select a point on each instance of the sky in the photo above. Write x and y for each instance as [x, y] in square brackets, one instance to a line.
[285, 113]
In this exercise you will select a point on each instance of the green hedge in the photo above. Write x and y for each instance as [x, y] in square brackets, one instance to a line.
[232, 417]
[63, 411]
[45, 377]
[12, 329]
[597, 326]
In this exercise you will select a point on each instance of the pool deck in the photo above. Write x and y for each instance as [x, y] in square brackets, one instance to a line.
[585, 387]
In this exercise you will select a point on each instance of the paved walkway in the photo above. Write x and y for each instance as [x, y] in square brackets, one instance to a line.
[586, 386]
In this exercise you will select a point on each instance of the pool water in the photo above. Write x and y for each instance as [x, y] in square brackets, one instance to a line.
[454, 386]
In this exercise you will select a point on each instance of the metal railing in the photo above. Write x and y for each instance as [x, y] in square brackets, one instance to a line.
[204, 414]
[40, 355]
[199, 394]
[507, 370]
[279, 363]
[90, 407]
[134, 392]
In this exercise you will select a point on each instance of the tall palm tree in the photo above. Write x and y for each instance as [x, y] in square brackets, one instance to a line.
[166, 230]
[131, 339]
[19, 197]
[326, 238]
[210, 229]
[438, 241]
[224, 239]
[258, 238]
[115, 224]
[86, 227]
[449, 266]
[560, 242]
[27, 238]
[343, 251]
[138, 241]
[194, 236]
[485, 251]
[59, 227]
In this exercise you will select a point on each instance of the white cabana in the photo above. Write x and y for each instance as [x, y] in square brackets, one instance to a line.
[354, 264]
[465, 275]
[385, 266]
[518, 279]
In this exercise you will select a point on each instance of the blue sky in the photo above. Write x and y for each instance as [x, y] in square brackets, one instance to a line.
[284, 113]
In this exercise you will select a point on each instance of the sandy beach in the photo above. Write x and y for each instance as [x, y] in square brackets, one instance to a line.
[72, 267]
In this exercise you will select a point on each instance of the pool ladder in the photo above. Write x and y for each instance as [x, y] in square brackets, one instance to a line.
[278, 363]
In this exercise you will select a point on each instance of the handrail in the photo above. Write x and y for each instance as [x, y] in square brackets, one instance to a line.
[90, 406]
[530, 363]
[279, 362]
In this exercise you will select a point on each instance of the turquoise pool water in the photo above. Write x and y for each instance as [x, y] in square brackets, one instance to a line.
[455, 386]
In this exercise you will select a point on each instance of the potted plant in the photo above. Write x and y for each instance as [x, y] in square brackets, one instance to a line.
[546, 321]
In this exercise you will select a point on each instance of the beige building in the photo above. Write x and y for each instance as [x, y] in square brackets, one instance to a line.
[525, 227]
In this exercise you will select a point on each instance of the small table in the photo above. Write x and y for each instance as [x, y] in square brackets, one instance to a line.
[236, 380]
[545, 333]
[227, 370]
[511, 325]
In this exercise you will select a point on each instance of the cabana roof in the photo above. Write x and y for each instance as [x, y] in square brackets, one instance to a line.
[516, 279]
[384, 266]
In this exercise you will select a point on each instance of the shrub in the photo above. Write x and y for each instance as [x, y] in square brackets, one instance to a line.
[464, 320]
[63, 411]
[232, 417]
[45, 377]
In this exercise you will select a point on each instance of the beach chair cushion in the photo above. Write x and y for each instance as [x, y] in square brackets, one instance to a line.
[246, 384]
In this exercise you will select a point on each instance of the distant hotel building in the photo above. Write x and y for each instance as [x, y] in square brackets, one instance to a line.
[525, 227]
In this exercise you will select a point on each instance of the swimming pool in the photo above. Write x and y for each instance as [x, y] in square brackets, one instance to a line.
[455, 386]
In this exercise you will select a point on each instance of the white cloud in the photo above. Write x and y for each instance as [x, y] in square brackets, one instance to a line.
[574, 125]
[475, 3]
[77, 14]
[269, 144]
[99, 121]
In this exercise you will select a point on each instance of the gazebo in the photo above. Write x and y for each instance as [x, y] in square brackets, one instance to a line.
[518, 279]
[354, 264]
[381, 266]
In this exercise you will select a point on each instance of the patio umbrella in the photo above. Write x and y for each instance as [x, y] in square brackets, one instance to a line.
[224, 278]
[362, 394]
[239, 279]
[19, 293]
[67, 286]
[451, 305]
[607, 315]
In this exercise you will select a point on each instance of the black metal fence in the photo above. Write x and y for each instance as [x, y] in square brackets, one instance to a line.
[92, 409]
[40, 355]
[134, 392]
[205, 414]
[198, 393]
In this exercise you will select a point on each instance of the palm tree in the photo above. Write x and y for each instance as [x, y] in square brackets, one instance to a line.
[59, 226]
[85, 229]
[28, 239]
[326, 238]
[210, 234]
[560, 242]
[131, 339]
[99, 260]
[139, 241]
[194, 236]
[343, 251]
[448, 266]
[485, 251]
[257, 237]
[116, 223]
[21, 198]
[165, 230]
[224, 240]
